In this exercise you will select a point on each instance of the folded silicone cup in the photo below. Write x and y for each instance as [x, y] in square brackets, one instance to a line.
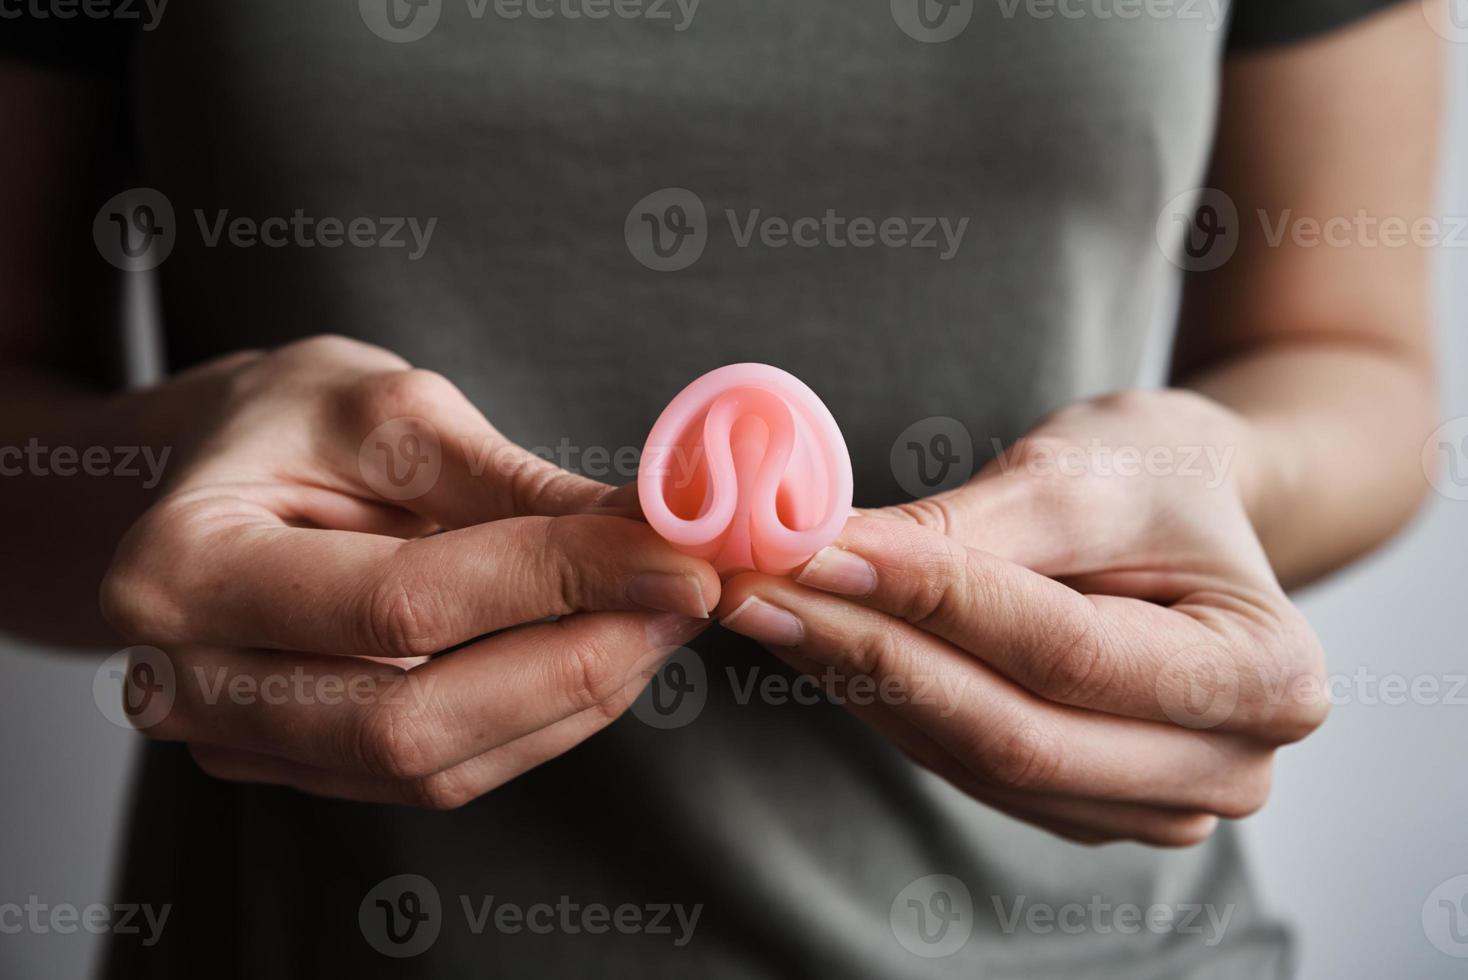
[746, 469]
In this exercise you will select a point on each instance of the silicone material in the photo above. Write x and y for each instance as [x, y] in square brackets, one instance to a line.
[746, 469]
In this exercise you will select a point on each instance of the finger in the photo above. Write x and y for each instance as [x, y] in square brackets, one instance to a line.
[234, 578]
[1026, 521]
[1005, 735]
[1107, 653]
[415, 440]
[371, 720]
[445, 790]
[1089, 821]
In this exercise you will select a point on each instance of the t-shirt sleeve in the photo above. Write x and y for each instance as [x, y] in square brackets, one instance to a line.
[1262, 23]
[89, 45]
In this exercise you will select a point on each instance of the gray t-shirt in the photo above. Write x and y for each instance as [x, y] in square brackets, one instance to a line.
[614, 204]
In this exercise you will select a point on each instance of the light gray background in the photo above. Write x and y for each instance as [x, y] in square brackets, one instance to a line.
[1367, 817]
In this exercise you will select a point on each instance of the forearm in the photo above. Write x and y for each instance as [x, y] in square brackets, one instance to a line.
[1335, 431]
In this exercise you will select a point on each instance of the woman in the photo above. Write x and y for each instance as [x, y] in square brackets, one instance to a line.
[956, 222]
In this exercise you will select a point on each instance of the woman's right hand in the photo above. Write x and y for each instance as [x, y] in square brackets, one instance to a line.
[291, 575]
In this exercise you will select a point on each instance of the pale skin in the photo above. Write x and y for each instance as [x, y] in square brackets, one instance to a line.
[1073, 614]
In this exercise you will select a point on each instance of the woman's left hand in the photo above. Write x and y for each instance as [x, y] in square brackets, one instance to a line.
[1087, 636]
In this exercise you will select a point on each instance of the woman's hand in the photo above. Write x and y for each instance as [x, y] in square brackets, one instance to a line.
[292, 577]
[1087, 636]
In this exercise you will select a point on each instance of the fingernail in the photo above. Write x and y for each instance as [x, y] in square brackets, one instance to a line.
[668, 592]
[759, 620]
[673, 630]
[841, 572]
[617, 502]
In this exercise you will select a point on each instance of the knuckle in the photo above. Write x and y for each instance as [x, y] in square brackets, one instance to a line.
[210, 762]
[401, 621]
[337, 347]
[134, 598]
[1297, 688]
[873, 653]
[395, 741]
[1189, 830]
[594, 678]
[559, 548]
[400, 393]
[1023, 757]
[942, 572]
[1129, 401]
[442, 791]
[1247, 794]
[935, 513]
[1075, 670]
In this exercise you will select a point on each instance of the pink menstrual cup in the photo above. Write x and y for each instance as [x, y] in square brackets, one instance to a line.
[746, 469]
